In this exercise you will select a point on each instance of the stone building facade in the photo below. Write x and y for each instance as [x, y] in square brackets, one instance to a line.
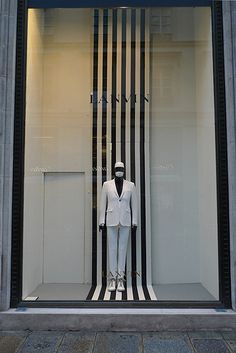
[85, 316]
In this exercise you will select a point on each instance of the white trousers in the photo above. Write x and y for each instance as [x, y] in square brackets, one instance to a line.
[117, 237]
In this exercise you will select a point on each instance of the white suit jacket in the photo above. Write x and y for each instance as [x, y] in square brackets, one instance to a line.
[116, 210]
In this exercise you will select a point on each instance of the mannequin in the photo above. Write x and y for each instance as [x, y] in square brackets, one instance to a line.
[118, 212]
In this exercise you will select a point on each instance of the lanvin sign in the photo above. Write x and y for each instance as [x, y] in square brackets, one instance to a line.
[120, 98]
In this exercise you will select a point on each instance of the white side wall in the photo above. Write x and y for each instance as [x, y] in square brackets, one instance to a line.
[33, 186]
[207, 198]
[183, 164]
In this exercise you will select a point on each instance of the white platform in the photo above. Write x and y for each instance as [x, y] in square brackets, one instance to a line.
[61, 291]
[175, 292]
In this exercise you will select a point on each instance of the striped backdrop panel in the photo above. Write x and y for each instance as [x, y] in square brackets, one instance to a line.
[121, 133]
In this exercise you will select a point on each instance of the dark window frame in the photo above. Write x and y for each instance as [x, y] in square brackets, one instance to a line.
[221, 160]
[116, 3]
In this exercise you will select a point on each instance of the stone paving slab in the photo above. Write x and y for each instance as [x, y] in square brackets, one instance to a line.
[77, 343]
[205, 334]
[229, 335]
[232, 345]
[42, 342]
[166, 343]
[169, 334]
[10, 342]
[210, 346]
[118, 343]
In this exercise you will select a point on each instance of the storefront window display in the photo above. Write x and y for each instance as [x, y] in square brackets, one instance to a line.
[130, 85]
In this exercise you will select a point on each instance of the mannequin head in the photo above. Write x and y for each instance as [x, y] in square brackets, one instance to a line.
[119, 170]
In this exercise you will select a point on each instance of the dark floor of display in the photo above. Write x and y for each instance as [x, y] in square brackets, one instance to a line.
[71, 292]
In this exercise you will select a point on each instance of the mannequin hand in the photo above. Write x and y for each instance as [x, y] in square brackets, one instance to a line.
[101, 227]
[134, 226]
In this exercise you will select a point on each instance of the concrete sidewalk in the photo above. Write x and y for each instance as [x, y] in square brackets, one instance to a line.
[115, 342]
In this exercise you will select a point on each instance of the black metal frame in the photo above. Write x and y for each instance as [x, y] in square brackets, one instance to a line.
[221, 154]
[222, 180]
[18, 157]
[115, 3]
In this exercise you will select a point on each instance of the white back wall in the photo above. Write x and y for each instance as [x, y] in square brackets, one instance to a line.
[175, 241]
[58, 129]
[67, 116]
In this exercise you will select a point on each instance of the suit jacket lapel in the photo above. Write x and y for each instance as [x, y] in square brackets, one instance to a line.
[123, 189]
[114, 187]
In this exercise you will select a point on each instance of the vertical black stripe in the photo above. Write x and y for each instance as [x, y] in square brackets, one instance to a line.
[142, 154]
[123, 106]
[94, 156]
[132, 146]
[114, 102]
[114, 81]
[124, 293]
[123, 85]
[104, 143]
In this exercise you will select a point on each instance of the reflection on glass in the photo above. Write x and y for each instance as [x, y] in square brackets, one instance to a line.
[134, 85]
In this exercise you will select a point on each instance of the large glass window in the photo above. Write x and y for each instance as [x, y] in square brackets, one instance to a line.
[129, 85]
